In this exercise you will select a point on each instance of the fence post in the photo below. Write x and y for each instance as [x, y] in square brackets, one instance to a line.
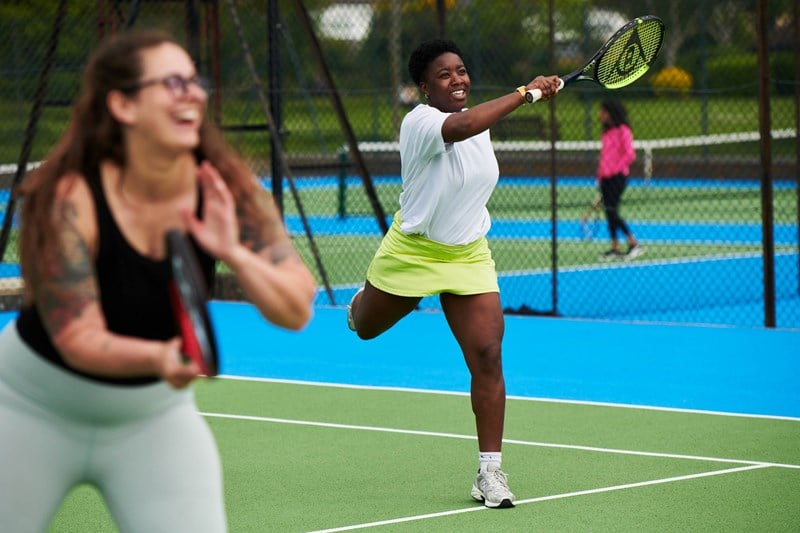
[342, 184]
[765, 128]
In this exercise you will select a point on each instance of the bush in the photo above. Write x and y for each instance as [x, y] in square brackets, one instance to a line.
[733, 74]
[781, 66]
[671, 80]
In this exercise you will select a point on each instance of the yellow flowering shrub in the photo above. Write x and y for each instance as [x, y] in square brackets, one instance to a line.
[671, 80]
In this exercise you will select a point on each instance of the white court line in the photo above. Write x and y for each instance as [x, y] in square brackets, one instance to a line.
[748, 465]
[510, 397]
[505, 441]
[546, 498]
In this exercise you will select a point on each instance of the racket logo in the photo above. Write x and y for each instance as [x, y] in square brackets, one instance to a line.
[632, 56]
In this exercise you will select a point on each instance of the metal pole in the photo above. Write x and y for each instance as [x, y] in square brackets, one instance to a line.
[704, 81]
[347, 129]
[273, 20]
[216, 69]
[133, 14]
[765, 129]
[796, 47]
[193, 30]
[553, 167]
[396, 62]
[441, 18]
[279, 152]
[33, 122]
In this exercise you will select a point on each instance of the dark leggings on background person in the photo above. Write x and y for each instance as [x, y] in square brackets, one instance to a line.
[611, 190]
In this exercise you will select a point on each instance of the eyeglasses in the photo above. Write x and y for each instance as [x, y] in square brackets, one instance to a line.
[175, 83]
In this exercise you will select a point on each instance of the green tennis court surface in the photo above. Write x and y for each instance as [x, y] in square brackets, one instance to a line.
[310, 458]
[610, 427]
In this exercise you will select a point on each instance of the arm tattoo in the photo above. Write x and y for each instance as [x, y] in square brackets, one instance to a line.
[265, 230]
[66, 278]
[270, 237]
[249, 234]
[281, 252]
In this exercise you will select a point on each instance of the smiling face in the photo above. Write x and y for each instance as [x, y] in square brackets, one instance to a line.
[446, 83]
[168, 107]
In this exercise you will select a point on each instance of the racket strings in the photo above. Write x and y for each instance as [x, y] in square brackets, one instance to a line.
[631, 54]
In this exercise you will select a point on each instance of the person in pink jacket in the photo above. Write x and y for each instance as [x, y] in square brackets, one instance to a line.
[613, 168]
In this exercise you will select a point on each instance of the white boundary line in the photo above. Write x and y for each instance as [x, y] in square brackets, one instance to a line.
[748, 465]
[522, 398]
[545, 498]
[505, 441]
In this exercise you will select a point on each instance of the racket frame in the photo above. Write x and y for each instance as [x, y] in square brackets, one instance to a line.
[589, 70]
[188, 293]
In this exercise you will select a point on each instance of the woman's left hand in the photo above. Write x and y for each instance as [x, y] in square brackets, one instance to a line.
[218, 231]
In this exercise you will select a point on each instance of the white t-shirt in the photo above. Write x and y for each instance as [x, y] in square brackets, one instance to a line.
[445, 185]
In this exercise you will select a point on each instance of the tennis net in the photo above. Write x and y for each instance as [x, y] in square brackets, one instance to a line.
[738, 144]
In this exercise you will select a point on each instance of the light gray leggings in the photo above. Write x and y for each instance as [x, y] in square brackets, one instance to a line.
[146, 449]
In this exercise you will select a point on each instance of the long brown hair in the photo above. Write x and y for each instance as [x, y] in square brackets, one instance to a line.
[93, 136]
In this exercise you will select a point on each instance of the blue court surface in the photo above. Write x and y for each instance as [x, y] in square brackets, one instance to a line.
[724, 290]
[726, 369]
[713, 287]
[749, 371]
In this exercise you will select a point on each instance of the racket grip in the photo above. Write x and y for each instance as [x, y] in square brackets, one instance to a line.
[533, 95]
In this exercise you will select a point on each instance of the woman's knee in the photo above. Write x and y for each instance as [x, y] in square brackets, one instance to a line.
[487, 360]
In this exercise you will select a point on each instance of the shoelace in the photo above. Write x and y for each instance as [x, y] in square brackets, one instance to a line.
[499, 477]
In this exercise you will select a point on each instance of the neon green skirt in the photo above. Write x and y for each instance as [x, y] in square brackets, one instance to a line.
[413, 265]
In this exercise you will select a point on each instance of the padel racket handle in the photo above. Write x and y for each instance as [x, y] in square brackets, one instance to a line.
[533, 95]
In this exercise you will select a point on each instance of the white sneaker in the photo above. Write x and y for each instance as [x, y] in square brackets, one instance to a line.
[491, 488]
[350, 322]
[634, 252]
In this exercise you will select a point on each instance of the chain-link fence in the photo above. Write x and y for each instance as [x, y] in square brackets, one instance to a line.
[718, 228]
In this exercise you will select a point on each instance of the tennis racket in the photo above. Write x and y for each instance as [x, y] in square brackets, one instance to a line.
[590, 220]
[625, 57]
[188, 295]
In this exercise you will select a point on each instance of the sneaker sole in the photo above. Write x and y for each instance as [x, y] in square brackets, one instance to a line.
[505, 504]
[478, 497]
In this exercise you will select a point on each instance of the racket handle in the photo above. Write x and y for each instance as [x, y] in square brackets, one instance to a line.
[533, 95]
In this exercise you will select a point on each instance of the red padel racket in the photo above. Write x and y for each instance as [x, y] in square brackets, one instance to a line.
[188, 293]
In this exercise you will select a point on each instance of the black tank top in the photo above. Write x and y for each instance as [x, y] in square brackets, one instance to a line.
[133, 292]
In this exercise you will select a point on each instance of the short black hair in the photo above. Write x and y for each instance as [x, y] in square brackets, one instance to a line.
[425, 53]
